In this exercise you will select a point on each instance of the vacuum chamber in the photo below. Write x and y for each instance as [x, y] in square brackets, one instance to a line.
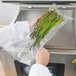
[62, 46]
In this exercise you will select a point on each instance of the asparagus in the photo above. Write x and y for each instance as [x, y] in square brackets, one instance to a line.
[39, 24]
[42, 21]
[48, 21]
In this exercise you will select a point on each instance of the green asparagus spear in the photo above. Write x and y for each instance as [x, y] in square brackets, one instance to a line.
[48, 21]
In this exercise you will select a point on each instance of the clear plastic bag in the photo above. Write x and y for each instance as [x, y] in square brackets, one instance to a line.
[54, 30]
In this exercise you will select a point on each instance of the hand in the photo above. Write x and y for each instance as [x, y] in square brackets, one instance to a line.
[33, 21]
[42, 56]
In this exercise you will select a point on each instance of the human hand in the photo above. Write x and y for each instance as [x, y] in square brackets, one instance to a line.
[34, 21]
[42, 56]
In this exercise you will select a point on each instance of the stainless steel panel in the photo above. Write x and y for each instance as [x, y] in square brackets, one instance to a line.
[70, 68]
[64, 38]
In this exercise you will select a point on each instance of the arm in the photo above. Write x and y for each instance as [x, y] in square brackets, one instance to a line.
[42, 59]
[4, 35]
[39, 70]
[9, 34]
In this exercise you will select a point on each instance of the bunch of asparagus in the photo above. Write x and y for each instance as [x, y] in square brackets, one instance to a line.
[47, 21]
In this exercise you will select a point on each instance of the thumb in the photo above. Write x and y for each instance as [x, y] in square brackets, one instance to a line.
[34, 21]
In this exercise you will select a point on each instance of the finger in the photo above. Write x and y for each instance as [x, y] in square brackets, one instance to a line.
[34, 21]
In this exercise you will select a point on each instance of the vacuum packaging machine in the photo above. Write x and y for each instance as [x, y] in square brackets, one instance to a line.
[62, 46]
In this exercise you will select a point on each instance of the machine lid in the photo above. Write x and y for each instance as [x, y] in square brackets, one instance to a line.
[42, 1]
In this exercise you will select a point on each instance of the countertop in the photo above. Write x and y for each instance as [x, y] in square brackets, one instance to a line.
[7, 67]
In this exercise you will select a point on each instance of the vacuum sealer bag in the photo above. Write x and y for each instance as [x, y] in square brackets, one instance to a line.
[47, 27]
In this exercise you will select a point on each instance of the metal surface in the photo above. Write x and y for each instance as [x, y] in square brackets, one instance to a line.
[41, 1]
[73, 26]
[70, 69]
[40, 6]
[65, 38]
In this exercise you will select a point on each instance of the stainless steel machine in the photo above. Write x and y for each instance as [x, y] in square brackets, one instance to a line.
[62, 46]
